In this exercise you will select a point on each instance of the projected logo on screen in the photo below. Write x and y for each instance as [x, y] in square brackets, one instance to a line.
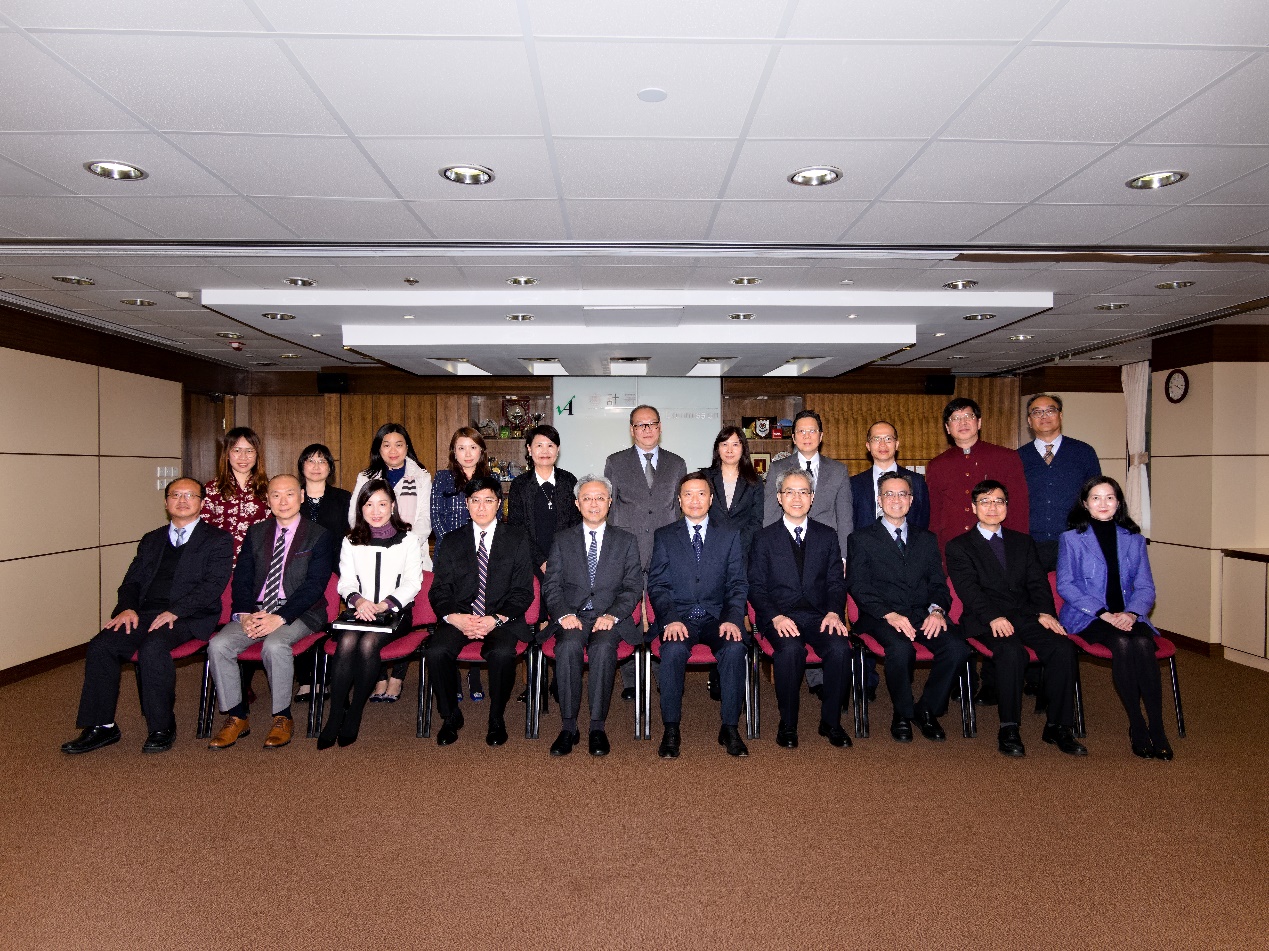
[566, 408]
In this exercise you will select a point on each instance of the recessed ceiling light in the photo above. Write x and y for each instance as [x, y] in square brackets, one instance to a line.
[979, 317]
[958, 356]
[520, 318]
[628, 359]
[316, 335]
[941, 333]
[1117, 305]
[1157, 179]
[137, 302]
[271, 315]
[411, 280]
[960, 285]
[262, 363]
[72, 279]
[653, 94]
[468, 174]
[347, 348]
[290, 356]
[851, 316]
[521, 281]
[116, 171]
[1021, 337]
[407, 316]
[1173, 285]
[299, 281]
[741, 316]
[1100, 356]
[746, 281]
[229, 335]
[816, 175]
[183, 295]
[848, 282]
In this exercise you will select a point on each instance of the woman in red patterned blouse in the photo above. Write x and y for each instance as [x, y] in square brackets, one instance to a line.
[235, 499]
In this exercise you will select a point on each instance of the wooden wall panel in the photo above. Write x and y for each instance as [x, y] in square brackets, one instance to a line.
[287, 424]
[331, 424]
[847, 418]
[419, 417]
[998, 397]
[204, 422]
[360, 417]
[452, 412]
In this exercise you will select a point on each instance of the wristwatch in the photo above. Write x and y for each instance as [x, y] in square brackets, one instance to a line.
[498, 620]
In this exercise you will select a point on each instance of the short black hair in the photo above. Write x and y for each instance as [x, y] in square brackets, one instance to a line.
[807, 414]
[987, 485]
[483, 482]
[542, 429]
[322, 452]
[700, 475]
[198, 485]
[960, 403]
[1045, 396]
[893, 475]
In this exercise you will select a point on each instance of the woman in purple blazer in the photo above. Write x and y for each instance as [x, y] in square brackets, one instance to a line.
[1103, 576]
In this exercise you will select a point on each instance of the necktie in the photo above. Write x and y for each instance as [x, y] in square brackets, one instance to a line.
[903, 546]
[592, 563]
[797, 536]
[696, 541]
[273, 580]
[482, 574]
[810, 472]
[180, 536]
[649, 471]
[997, 543]
[1048, 453]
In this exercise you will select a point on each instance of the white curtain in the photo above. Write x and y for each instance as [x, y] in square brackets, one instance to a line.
[1136, 382]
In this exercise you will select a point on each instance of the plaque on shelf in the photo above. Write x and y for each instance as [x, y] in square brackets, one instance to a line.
[757, 427]
[488, 429]
[761, 462]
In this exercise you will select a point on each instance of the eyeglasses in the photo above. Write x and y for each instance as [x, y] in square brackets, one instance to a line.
[242, 451]
[961, 418]
[1041, 412]
[646, 426]
[593, 498]
[183, 496]
[882, 439]
[797, 493]
[896, 495]
[806, 432]
[472, 500]
[992, 503]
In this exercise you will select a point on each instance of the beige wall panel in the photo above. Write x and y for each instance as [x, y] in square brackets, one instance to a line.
[1184, 601]
[68, 620]
[114, 565]
[140, 416]
[1185, 428]
[49, 504]
[131, 498]
[1181, 500]
[1247, 522]
[1098, 419]
[1117, 469]
[1240, 421]
[1243, 605]
[50, 406]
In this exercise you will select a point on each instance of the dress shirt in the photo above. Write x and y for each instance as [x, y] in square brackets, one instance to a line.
[1040, 444]
[815, 465]
[643, 456]
[790, 526]
[189, 530]
[691, 528]
[877, 474]
[599, 538]
[489, 533]
[903, 530]
[986, 534]
[263, 596]
[549, 480]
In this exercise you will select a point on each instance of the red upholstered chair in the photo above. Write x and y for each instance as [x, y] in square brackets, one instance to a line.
[471, 655]
[408, 645]
[700, 656]
[923, 656]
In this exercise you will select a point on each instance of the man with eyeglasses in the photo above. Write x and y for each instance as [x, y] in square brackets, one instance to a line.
[645, 479]
[170, 594]
[829, 478]
[1008, 606]
[896, 578]
[882, 446]
[1056, 466]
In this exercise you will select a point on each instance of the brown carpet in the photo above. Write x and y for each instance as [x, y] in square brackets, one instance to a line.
[395, 843]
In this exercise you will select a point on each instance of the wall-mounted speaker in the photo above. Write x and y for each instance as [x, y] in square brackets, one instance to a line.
[940, 384]
[333, 383]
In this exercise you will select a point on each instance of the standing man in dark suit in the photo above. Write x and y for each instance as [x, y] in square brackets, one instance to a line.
[279, 594]
[593, 582]
[882, 445]
[697, 586]
[1009, 606]
[482, 586]
[644, 479]
[170, 594]
[895, 575]
[799, 599]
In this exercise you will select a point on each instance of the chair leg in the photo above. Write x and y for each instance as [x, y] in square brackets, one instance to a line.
[967, 694]
[861, 693]
[967, 704]
[1176, 697]
[755, 689]
[317, 697]
[647, 692]
[425, 688]
[639, 688]
[203, 729]
[1079, 702]
[530, 672]
[749, 726]
[418, 709]
[1041, 698]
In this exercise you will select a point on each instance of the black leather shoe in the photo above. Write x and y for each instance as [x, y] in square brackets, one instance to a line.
[159, 741]
[787, 736]
[928, 723]
[1162, 750]
[565, 742]
[729, 736]
[449, 730]
[669, 748]
[835, 734]
[627, 694]
[817, 691]
[1010, 741]
[1064, 739]
[901, 729]
[1144, 750]
[93, 738]
[715, 687]
[497, 734]
[598, 743]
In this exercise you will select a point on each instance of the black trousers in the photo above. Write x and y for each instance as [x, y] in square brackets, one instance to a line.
[1135, 672]
[498, 649]
[950, 652]
[600, 648]
[355, 668]
[789, 662]
[1056, 653]
[156, 673]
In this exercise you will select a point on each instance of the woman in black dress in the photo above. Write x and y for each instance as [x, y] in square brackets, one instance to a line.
[327, 505]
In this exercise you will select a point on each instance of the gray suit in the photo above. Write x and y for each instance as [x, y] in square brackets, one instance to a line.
[832, 504]
[567, 590]
[635, 507]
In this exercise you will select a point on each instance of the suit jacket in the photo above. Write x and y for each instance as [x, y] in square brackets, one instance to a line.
[1081, 577]
[864, 493]
[775, 587]
[718, 583]
[309, 564]
[618, 580]
[882, 579]
[745, 512]
[508, 582]
[207, 560]
[524, 489]
[635, 507]
[986, 592]
[832, 505]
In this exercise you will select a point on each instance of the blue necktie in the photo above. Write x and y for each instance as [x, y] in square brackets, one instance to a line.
[903, 546]
[797, 536]
[180, 536]
[696, 541]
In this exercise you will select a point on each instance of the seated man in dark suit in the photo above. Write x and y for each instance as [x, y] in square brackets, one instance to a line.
[280, 595]
[593, 582]
[482, 586]
[799, 597]
[697, 586]
[895, 575]
[1009, 606]
[170, 595]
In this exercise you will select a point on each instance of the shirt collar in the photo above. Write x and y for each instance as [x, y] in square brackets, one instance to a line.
[789, 526]
[813, 460]
[599, 533]
[489, 532]
[189, 529]
[704, 523]
[877, 473]
[890, 528]
[986, 534]
[1040, 444]
[643, 454]
[541, 481]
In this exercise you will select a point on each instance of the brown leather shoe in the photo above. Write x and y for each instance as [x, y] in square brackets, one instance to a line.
[234, 728]
[280, 735]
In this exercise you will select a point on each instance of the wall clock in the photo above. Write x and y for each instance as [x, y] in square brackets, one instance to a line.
[1176, 386]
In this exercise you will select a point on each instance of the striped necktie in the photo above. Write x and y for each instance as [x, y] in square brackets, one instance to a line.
[903, 546]
[273, 581]
[1048, 454]
[482, 574]
[592, 564]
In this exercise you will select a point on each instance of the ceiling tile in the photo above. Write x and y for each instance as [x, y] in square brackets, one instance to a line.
[764, 166]
[656, 18]
[1076, 225]
[200, 219]
[391, 277]
[650, 168]
[389, 17]
[917, 20]
[1229, 113]
[41, 93]
[15, 181]
[912, 222]
[784, 221]
[177, 277]
[521, 166]
[1252, 189]
[989, 171]
[1199, 225]
[346, 219]
[537, 220]
[494, 277]
[1230, 22]
[170, 15]
[641, 277]
[836, 91]
[1103, 181]
[1086, 94]
[603, 220]
[66, 218]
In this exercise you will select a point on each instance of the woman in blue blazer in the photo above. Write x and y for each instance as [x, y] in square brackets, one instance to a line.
[1103, 576]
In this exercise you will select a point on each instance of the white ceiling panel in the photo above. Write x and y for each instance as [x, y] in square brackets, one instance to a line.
[784, 221]
[1230, 22]
[392, 276]
[605, 220]
[521, 166]
[1204, 282]
[863, 278]
[592, 87]
[1252, 189]
[918, 19]
[1066, 224]
[869, 91]
[1209, 168]
[346, 219]
[200, 218]
[764, 166]
[494, 277]
[1231, 113]
[1087, 94]
[200, 83]
[656, 18]
[493, 220]
[650, 168]
[272, 276]
[41, 93]
[41, 274]
[170, 278]
[990, 171]
[1198, 224]
[390, 17]
[171, 15]
[16, 180]
[637, 276]
[914, 222]
[66, 218]
[425, 87]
